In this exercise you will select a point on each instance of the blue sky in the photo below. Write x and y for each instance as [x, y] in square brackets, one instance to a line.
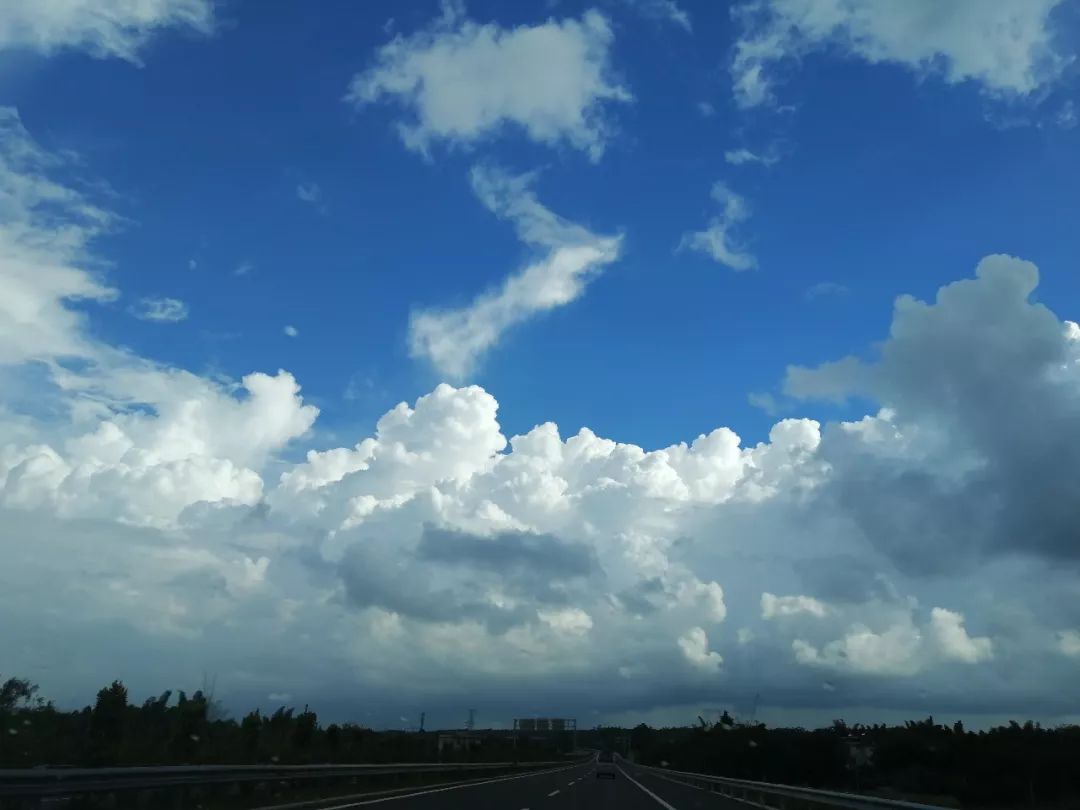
[889, 183]
[522, 197]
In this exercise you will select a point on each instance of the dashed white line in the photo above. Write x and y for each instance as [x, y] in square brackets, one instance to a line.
[384, 799]
[553, 793]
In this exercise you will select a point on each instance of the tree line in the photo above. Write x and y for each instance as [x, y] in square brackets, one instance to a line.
[175, 729]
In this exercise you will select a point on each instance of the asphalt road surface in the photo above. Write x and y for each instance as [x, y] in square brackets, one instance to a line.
[572, 788]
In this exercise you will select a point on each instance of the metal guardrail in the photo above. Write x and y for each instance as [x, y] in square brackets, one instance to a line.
[788, 797]
[46, 782]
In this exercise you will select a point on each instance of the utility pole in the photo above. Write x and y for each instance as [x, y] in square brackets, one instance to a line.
[422, 714]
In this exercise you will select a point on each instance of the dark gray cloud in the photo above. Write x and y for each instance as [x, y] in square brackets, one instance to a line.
[500, 580]
[509, 553]
[984, 406]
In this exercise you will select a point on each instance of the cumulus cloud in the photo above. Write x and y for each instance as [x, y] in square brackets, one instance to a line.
[144, 441]
[570, 621]
[1068, 643]
[291, 331]
[695, 647]
[440, 555]
[773, 606]
[1007, 48]
[902, 647]
[943, 473]
[455, 339]
[893, 651]
[102, 28]
[718, 240]
[461, 82]
[947, 629]
[163, 310]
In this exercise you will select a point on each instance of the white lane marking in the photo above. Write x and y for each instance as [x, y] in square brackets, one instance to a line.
[656, 798]
[678, 782]
[445, 789]
[553, 793]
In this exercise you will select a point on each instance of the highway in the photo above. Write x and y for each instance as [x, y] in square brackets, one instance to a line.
[572, 788]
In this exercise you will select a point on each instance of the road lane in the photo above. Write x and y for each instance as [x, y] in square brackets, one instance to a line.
[681, 796]
[574, 787]
[512, 792]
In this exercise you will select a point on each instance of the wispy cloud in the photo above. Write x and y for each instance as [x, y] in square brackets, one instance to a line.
[309, 193]
[454, 339]
[1008, 48]
[103, 30]
[742, 156]
[291, 331]
[666, 11]
[244, 268]
[825, 288]
[163, 310]
[718, 240]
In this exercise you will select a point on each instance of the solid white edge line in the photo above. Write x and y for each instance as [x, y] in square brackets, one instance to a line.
[447, 788]
[553, 793]
[655, 798]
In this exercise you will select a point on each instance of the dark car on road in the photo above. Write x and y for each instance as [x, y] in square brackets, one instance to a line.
[605, 765]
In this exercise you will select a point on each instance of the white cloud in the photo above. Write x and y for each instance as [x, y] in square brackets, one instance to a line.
[37, 260]
[102, 28]
[773, 606]
[439, 551]
[825, 288]
[455, 339]
[163, 310]
[834, 381]
[291, 331]
[717, 240]
[947, 630]
[742, 156]
[309, 193]
[695, 648]
[567, 621]
[1007, 47]
[901, 649]
[144, 441]
[706, 109]
[1068, 643]
[463, 82]
[765, 401]
[667, 11]
[244, 268]
[707, 594]
[892, 652]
